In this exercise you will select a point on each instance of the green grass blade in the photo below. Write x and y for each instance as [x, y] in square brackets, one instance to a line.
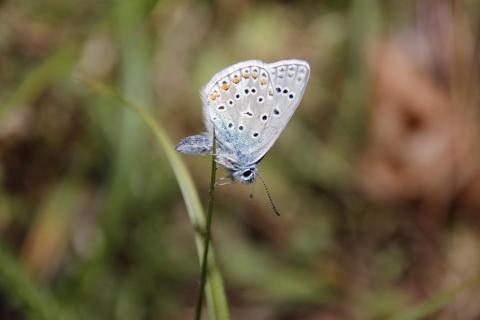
[204, 261]
[216, 299]
[52, 69]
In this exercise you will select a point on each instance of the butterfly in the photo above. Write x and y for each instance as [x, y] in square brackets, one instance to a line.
[247, 106]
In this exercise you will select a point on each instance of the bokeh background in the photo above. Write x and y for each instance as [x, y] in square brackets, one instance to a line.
[377, 175]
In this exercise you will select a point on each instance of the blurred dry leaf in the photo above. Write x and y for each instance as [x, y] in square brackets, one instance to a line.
[422, 150]
[422, 144]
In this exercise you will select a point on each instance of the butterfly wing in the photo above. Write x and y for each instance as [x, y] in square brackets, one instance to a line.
[289, 80]
[248, 115]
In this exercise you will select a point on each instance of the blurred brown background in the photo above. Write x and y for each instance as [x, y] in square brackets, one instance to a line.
[377, 175]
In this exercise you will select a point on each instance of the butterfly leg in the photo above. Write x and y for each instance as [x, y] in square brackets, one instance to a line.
[224, 181]
[199, 144]
[225, 160]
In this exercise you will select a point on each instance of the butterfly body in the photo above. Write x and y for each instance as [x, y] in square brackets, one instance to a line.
[247, 105]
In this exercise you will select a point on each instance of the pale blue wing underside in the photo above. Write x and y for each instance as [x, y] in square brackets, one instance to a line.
[250, 103]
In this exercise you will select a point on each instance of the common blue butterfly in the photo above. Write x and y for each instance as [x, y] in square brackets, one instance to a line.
[248, 104]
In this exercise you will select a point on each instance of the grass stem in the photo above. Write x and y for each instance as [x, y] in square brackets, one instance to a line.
[211, 198]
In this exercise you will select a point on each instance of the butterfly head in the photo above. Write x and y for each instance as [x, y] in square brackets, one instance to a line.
[245, 175]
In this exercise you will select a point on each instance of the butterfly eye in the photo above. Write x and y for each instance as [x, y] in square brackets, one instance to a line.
[247, 173]
[276, 112]
[230, 125]
[230, 102]
[291, 96]
[264, 117]
[221, 107]
[278, 89]
[246, 91]
[240, 127]
[253, 90]
[237, 96]
[260, 99]
[285, 91]
[255, 134]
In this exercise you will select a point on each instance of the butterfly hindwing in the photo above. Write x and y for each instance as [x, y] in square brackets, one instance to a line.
[246, 109]
[289, 79]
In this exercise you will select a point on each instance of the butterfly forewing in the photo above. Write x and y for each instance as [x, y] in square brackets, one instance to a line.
[217, 93]
[246, 109]
[235, 101]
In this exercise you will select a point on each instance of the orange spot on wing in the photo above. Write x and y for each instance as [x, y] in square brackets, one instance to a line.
[225, 86]
[214, 95]
[236, 80]
[263, 81]
[245, 75]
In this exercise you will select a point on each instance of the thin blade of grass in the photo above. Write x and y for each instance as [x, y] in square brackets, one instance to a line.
[205, 266]
[55, 67]
[216, 299]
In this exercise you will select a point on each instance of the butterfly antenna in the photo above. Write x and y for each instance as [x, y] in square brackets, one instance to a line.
[269, 196]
